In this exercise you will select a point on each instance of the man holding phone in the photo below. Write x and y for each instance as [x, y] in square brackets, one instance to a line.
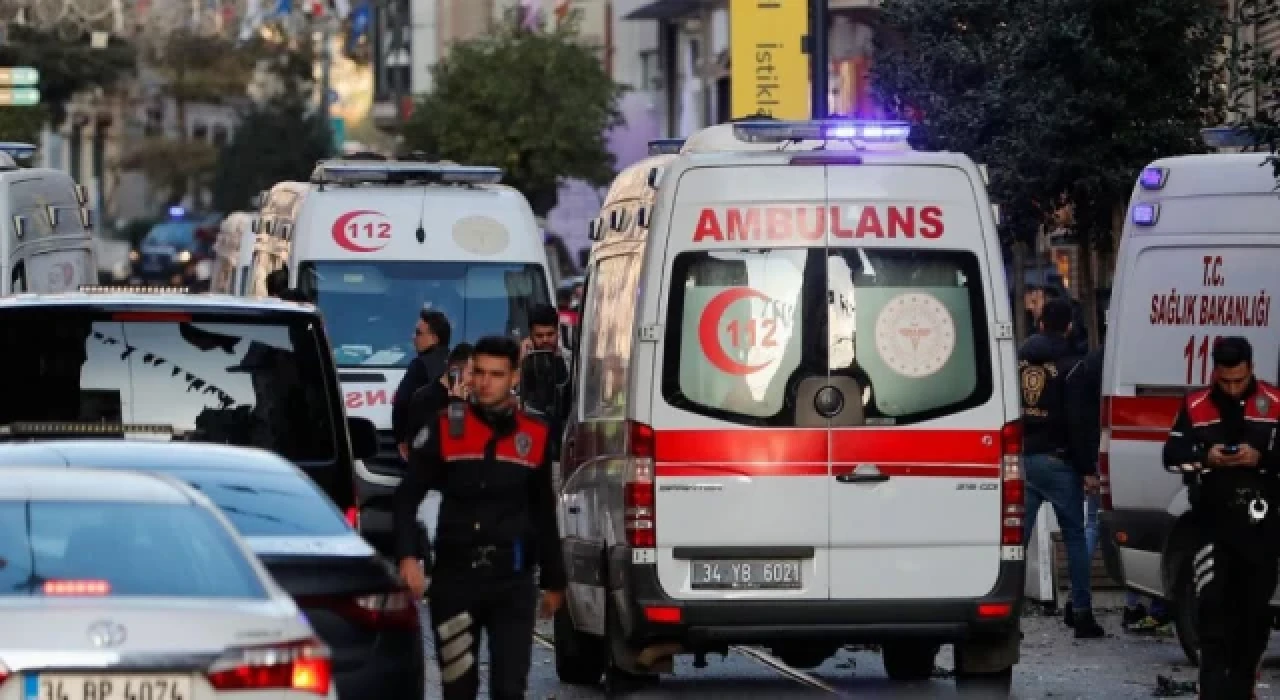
[1223, 443]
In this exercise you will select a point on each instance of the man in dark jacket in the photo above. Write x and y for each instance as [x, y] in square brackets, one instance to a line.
[1223, 444]
[429, 400]
[544, 384]
[431, 339]
[492, 466]
[1044, 362]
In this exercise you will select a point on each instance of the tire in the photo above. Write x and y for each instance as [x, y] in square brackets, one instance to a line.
[1185, 616]
[580, 657]
[618, 681]
[985, 685]
[909, 661]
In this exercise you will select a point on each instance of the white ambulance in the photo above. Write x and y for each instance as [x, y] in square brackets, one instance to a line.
[743, 466]
[1197, 260]
[47, 244]
[373, 243]
[233, 254]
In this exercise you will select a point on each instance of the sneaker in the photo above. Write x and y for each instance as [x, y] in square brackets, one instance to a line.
[1087, 627]
[1151, 625]
[1133, 615]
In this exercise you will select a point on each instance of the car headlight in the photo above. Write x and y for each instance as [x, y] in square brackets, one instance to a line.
[184, 256]
[133, 256]
[204, 269]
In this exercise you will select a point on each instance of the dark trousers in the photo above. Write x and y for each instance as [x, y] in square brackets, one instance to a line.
[466, 603]
[1233, 598]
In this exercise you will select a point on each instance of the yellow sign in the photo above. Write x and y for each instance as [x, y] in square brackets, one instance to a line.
[770, 71]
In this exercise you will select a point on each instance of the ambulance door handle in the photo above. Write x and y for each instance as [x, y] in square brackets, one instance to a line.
[875, 478]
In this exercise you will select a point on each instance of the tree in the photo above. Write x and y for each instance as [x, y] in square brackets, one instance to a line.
[66, 67]
[278, 140]
[22, 124]
[538, 105]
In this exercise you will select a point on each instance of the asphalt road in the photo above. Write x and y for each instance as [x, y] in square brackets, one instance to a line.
[1053, 665]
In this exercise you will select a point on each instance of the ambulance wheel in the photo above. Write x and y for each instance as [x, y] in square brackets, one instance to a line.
[909, 661]
[580, 657]
[998, 684]
[1185, 617]
[619, 680]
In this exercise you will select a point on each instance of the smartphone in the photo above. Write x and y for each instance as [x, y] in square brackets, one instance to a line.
[1231, 450]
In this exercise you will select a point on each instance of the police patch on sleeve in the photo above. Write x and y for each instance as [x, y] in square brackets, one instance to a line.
[421, 438]
[524, 443]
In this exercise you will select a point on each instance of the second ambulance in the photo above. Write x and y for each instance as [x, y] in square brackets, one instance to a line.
[797, 414]
[373, 243]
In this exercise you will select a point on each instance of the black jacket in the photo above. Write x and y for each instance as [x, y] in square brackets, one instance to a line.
[1084, 407]
[494, 478]
[1044, 362]
[426, 368]
[1220, 497]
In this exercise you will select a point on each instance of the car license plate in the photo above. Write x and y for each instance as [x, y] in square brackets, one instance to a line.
[747, 574]
[108, 687]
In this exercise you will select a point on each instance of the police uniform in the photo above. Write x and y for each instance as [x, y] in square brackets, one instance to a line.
[1234, 509]
[497, 524]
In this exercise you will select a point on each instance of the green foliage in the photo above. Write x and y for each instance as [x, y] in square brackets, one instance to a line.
[22, 124]
[276, 141]
[203, 68]
[170, 165]
[66, 67]
[538, 105]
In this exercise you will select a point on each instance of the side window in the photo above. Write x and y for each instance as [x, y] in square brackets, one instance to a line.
[607, 344]
[18, 280]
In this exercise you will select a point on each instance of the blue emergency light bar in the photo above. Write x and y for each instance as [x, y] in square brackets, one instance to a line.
[1228, 137]
[17, 151]
[177, 212]
[665, 147]
[1146, 214]
[770, 131]
[355, 172]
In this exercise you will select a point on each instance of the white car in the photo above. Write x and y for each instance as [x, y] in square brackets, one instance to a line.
[123, 585]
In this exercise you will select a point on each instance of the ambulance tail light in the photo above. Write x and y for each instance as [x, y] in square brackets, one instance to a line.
[4, 673]
[639, 495]
[1013, 508]
[1104, 455]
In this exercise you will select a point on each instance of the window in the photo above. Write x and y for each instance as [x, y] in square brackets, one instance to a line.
[278, 504]
[148, 549]
[607, 343]
[211, 379]
[370, 308]
[221, 135]
[61, 271]
[245, 270]
[746, 326]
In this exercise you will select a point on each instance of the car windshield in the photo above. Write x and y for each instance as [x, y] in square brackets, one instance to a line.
[210, 378]
[370, 309]
[172, 233]
[137, 549]
[276, 504]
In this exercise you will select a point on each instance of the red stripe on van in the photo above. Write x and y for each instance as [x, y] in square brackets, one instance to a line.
[803, 452]
[1143, 418]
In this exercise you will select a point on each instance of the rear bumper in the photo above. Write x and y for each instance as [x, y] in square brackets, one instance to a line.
[713, 624]
[395, 669]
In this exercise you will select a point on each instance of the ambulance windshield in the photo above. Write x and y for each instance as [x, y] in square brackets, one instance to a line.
[905, 326]
[370, 308]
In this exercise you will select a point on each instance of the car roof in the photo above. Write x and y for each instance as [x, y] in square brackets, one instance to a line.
[220, 303]
[43, 484]
[145, 455]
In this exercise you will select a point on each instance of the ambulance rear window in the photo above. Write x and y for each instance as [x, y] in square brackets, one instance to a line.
[747, 326]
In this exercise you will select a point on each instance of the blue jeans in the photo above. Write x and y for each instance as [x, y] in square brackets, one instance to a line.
[1091, 525]
[1048, 478]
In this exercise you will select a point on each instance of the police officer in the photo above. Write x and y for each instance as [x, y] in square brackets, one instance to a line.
[1223, 443]
[431, 341]
[490, 463]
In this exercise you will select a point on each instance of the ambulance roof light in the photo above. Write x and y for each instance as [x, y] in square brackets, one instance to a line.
[665, 147]
[1153, 178]
[17, 150]
[354, 172]
[177, 212]
[1228, 137]
[1146, 214]
[868, 132]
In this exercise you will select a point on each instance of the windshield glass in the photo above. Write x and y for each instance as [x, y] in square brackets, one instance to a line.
[908, 326]
[174, 233]
[148, 549]
[268, 504]
[370, 309]
[212, 379]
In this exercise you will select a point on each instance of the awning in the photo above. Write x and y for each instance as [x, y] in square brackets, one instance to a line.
[664, 9]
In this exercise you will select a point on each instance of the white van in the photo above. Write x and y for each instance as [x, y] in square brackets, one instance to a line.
[233, 254]
[742, 466]
[47, 244]
[375, 242]
[1197, 260]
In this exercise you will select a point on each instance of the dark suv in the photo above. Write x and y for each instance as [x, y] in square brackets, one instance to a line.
[194, 368]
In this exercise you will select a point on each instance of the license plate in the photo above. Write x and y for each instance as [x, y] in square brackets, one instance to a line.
[108, 687]
[749, 574]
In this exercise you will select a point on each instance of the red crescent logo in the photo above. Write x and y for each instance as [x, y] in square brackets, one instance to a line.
[345, 242]
[709, 331]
